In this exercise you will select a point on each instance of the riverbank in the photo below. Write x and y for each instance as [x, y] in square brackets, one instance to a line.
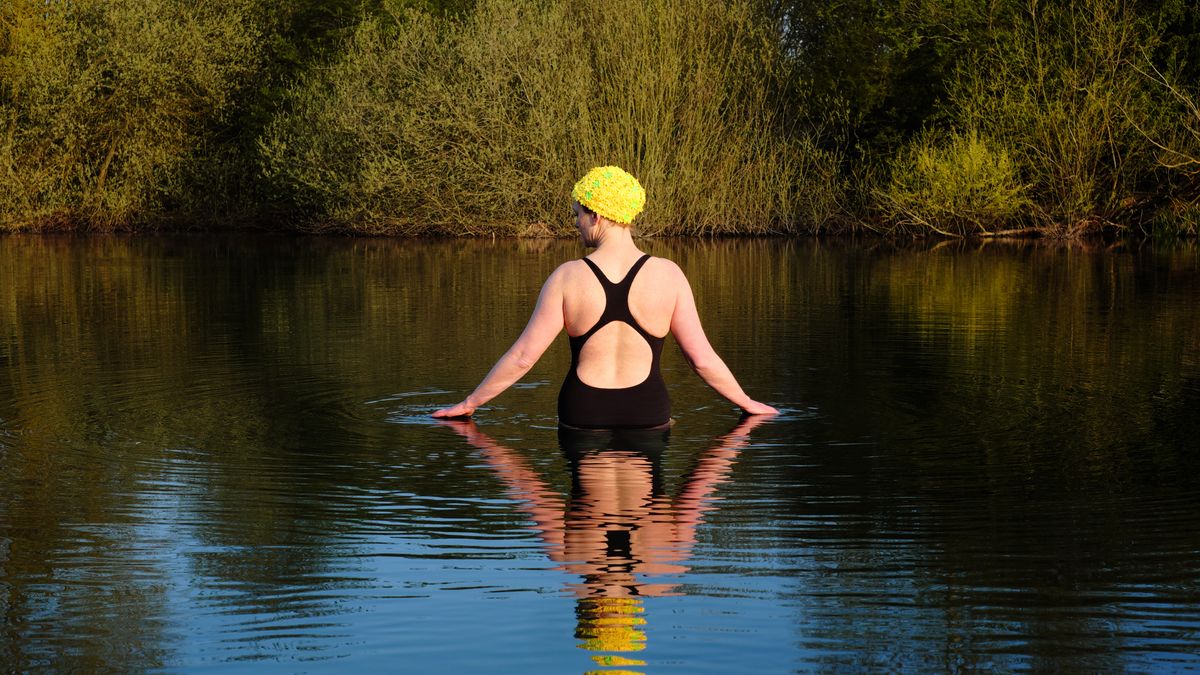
[1165, 227]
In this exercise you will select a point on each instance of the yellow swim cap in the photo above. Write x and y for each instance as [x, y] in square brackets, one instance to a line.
[610, 192]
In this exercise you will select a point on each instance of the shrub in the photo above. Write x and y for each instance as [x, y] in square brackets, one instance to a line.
[481, 125]
[103, 101]
[960, 187]
[1058, 90]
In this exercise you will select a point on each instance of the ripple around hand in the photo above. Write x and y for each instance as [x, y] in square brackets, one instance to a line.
[421, 414]
[418, 415]
[402, 409]
[790, 414]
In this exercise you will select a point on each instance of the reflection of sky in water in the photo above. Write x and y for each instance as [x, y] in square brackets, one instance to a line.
[986, 461]
[413, 594]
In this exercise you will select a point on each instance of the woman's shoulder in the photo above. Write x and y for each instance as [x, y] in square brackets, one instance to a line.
[569, 274]
[661, 262]
[569, 269]
[663, 267]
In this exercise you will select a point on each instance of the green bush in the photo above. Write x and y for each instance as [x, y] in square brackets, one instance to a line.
[102, 102]
[475, 117]
[481, 125]
[1179, 219]
[1058, 90]
[960, 187]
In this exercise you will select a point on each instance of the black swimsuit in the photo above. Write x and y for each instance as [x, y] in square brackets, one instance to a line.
[643, 405]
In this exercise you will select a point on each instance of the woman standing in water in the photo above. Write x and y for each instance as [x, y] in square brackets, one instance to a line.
[617, 306]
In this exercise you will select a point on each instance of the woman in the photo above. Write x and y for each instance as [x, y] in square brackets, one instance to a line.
[617, 306]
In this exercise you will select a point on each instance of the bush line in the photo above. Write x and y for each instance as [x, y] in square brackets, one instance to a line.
[471, 118]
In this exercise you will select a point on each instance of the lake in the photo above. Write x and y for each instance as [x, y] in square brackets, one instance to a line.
[216, 455]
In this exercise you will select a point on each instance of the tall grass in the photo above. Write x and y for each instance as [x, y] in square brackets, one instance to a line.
[481, 125]
[103, 102]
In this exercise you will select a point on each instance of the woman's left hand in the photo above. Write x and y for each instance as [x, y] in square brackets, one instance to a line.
[456, 410]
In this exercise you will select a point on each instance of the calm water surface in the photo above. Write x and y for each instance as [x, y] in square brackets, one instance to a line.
[215, 455]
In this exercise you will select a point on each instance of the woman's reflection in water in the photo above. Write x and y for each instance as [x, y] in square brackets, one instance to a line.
[618, 529]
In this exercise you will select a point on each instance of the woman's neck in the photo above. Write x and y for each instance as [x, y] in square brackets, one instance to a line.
[616, 239]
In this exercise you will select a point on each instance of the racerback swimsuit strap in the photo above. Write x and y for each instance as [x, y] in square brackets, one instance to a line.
[616, 302]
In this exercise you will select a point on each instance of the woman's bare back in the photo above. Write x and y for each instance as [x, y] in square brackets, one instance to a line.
[617, 356]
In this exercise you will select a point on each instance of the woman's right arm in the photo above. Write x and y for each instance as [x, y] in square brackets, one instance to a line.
[685, 324]
[543, 327]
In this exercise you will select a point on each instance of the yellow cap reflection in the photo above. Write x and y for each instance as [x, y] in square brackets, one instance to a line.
[611, 625]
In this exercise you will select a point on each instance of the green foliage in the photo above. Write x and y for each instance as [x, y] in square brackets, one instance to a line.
[960, 187]
[221, 186]
[1178, 219]
[465, 117]
[892, 63]
[1066, 87]
[224, 185]
[103, 102]
[1179, 144]
[481, 125]
[1059, 91]
[1178, 49]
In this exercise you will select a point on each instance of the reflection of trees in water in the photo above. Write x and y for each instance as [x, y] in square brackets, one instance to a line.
[224, 371]
[135, 369]
[918, 553]
[76, 592]
[1020, 404]
[1003, 552]
[618, 530]
[1003, 446]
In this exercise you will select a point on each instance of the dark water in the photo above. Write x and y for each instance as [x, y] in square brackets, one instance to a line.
[215, 455]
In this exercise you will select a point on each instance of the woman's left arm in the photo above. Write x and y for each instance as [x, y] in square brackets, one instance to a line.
[543, 327]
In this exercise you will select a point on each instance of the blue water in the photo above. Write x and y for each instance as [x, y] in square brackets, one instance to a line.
[215, 454]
